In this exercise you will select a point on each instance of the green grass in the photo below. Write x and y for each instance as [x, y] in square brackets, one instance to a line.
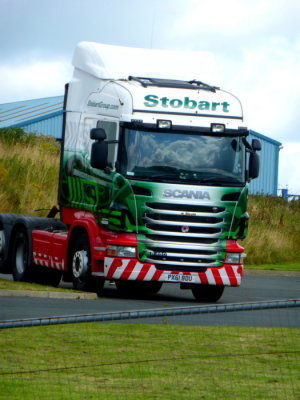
[287, 266]
[274, 231]
[12, 285]
[29, 168]
[145, 361]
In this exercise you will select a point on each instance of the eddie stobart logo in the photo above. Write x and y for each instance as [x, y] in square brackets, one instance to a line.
[186, 194]
[152, 100]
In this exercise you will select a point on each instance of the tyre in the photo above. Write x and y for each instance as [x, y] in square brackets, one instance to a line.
[81, 266]
[47, 276]
[207, 293]
[3, 263]
[21, 260]
[53, 277]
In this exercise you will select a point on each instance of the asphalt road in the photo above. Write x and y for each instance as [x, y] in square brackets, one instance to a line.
[253, 289]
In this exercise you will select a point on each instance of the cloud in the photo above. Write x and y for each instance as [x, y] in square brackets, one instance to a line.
[34, 80]
[268, 84]
[234, 23]
[257, 49]
[289, 167]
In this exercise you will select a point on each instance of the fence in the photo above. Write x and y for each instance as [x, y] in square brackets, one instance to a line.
[234, 351]
[288, 196]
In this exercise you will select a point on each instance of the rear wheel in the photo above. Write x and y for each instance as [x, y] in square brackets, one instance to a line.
[3, 263]
[207, 293]
[21, 265]
[47, 276]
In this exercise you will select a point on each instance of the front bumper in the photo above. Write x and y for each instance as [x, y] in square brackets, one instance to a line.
[131, 269]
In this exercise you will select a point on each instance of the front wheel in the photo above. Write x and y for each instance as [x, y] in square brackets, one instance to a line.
[81, 263]
[207, 293]
[81, 266]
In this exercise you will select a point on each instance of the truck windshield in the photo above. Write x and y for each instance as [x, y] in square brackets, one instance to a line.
[187, 157]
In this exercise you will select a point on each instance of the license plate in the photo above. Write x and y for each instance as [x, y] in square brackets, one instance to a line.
[179, 278]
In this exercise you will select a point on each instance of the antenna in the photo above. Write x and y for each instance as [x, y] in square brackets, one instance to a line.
[153, 24]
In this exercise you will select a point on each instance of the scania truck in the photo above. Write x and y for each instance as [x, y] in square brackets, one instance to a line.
[153, 187]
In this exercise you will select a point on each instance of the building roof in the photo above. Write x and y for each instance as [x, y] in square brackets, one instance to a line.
[23, 113]
[265, 138]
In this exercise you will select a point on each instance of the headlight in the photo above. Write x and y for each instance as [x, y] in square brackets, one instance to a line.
[234, 258]
[121, 251]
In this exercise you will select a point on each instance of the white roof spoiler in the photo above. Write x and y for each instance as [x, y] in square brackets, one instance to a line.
[117, 62]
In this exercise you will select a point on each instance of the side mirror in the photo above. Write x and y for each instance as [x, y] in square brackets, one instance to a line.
[253, 165]
[99, 151]
[256, 145]
[97, 134]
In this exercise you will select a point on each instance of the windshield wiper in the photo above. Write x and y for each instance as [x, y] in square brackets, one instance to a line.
[165, 178]
[160, 178]
[219, 180]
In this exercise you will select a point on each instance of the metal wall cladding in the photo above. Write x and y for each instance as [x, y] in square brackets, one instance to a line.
[51, 126]
[43, 116]
[267, 182]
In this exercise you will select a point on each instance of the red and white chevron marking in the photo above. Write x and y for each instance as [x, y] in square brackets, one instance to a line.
[48, 261]
[131, 269]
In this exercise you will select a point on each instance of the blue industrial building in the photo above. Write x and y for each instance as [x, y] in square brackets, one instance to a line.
[45, 116]
[267, 182]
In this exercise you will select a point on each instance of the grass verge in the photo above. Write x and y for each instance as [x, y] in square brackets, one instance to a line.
[287, 266]
[146, 361]
[12, 285]
[274, 231]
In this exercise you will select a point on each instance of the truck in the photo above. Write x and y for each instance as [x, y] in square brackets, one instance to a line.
[153, 185]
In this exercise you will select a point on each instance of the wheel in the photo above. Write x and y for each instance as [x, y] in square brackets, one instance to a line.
[21, 265]
[81, 266]
[138, 287]
[3, 263]
[81, 263]
[53, 277]
[207, 293]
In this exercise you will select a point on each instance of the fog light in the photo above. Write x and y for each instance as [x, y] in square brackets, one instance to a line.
[121, 251]
[234, 258]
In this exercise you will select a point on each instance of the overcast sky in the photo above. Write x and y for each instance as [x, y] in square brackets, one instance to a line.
[256, 44]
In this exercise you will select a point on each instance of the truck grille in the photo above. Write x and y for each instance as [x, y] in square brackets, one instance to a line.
[183, 237]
